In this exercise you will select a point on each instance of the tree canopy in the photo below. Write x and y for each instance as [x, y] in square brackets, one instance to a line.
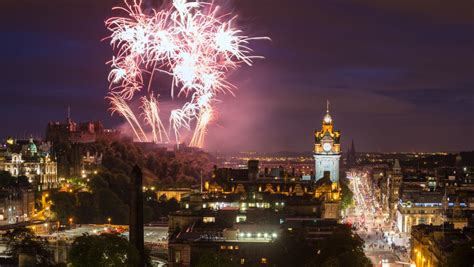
[63, 206]
[347, 194]
[7, 180]
[22, 241]
[107, 192]
[341, 248]
[215, 259]
[103, 250]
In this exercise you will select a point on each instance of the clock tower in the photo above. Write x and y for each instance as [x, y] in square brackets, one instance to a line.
[327, 150]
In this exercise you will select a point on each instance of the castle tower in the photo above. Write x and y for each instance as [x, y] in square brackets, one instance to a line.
[327, 149]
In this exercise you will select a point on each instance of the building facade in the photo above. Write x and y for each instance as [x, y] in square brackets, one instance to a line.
[431, 245]
[31, 159]
[394, 181]
[16, 205]
[431, 208]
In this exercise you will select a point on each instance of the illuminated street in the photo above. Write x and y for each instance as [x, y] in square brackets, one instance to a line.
[372, 225]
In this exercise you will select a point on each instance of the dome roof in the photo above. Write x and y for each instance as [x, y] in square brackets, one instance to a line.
[327, 119]
[32, 147]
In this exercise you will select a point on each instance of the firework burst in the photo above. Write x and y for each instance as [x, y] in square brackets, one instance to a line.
[192, 43]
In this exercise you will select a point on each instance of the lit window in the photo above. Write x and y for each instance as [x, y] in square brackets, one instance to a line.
[230, 247]
[263, 260]
[177, 256]
[236, 247]
[208, 219]
[222, 247]
[241, 218]
[242, 261]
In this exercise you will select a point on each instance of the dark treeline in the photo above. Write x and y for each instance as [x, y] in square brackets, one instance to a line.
[106, 193]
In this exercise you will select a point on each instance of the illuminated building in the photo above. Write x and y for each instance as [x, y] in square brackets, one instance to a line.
[327, 150]
[176, 193]
[431, 245]
[244, 236]
[16, 205]
[247, 244]
[422, 207]
[30, 159]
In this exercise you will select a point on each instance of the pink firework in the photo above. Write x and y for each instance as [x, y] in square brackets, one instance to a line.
[189, 41]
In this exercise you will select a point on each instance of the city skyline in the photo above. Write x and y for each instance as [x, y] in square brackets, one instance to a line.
[237, 133]
[398, 77]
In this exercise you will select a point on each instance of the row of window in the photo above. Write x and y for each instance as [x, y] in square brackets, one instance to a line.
[223, 247]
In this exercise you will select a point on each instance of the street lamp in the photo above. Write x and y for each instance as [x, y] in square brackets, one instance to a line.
[70, 221]
[109, 219]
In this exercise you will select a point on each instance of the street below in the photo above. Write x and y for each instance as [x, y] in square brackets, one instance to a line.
[383, 246]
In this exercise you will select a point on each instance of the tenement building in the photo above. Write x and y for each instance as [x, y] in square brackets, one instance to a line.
[16, 205]
[432, 245]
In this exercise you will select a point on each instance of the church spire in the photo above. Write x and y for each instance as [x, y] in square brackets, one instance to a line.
[351, 155]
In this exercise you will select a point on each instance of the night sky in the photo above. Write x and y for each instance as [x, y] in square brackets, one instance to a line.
[399, 74]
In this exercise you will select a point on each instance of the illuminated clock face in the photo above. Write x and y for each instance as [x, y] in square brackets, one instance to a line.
[327, 147]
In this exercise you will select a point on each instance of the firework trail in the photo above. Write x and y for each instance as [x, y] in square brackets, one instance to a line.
[152, 118]
[118, 104]
[192, 43]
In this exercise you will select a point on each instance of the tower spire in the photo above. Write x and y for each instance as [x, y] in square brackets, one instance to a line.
[327, 118]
